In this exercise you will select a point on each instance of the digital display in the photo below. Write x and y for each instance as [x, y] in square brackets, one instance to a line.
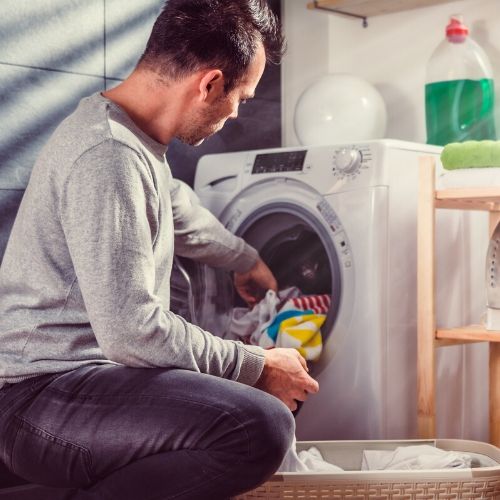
[286, 161]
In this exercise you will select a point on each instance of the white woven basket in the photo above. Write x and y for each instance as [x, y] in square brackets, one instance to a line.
[353, 484]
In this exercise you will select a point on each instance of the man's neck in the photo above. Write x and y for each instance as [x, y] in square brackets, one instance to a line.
[153, 106]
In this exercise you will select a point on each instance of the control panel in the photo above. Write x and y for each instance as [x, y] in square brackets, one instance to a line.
[283, 161]
[319, 166]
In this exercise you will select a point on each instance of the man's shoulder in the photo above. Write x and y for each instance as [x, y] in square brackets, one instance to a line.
[95, 123]
[107, 121]
[82, 130]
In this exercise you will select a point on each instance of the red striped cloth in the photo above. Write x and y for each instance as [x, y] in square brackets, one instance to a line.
[318, 303]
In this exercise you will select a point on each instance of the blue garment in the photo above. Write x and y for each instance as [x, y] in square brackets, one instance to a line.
[274, 327]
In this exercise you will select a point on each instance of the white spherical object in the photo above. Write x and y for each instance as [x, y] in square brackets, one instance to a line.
[340, 108]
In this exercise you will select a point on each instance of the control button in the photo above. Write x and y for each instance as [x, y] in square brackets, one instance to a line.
[348, 161]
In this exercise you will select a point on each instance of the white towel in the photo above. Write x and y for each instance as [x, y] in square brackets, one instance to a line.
[305, 461]
[416, 457]
[249, 324]
[468, 178]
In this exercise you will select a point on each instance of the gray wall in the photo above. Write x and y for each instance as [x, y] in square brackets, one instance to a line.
[54, 52]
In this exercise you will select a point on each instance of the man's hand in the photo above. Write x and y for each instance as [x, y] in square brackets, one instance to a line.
[253, 285]
[285, 376]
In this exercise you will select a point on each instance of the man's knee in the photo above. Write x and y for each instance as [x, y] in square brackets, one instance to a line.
[271, 432]
[278, 430]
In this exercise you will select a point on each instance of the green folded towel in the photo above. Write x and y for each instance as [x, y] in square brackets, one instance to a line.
[471, 154]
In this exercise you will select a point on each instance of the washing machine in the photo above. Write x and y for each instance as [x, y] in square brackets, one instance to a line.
[337, 219]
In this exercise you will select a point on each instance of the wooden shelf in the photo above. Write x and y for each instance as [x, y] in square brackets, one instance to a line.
[369, 8]
[487, 198]
[430, 337]
[466, 334]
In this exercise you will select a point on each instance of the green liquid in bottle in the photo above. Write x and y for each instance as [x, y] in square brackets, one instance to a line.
[459, 110]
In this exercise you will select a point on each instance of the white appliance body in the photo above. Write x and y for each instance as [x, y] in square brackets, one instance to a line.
[361, 202]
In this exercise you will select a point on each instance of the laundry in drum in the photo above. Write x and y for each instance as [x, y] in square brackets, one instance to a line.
[284, 319]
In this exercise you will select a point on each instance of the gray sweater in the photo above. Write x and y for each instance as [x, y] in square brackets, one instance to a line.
[86, 274]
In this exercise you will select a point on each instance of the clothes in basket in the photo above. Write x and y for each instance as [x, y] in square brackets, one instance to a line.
[416, 457]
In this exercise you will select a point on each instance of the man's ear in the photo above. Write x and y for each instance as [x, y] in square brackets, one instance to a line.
[211, 85]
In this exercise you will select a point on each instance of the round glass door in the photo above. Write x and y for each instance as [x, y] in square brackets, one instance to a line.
[295, 246]
[299, 252]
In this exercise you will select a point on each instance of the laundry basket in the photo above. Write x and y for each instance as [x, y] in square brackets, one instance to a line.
[479, 482]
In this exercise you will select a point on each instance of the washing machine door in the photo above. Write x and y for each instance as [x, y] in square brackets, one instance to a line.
[301, 239]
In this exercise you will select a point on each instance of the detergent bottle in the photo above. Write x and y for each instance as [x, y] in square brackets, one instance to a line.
[459, 90]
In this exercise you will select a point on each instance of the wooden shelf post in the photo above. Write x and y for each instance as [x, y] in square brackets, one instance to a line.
[426, 320]
[494, 390]
[495, 393]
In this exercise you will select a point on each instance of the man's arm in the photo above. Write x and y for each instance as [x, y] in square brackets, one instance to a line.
[285, 377]
[109, 214]
[253, 285]
[201, 236]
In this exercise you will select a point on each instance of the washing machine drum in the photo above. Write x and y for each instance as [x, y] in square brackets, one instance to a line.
[297, 258]
[291, 244]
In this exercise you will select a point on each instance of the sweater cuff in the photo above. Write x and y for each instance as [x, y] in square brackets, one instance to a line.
[246, 260]
[252, 364]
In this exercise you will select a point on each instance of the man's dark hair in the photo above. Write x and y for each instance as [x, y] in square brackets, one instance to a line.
[190, 35]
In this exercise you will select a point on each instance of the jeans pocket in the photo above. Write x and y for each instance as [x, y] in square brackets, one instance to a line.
[40, 457]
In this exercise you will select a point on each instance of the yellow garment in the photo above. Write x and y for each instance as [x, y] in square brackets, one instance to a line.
[302, 333]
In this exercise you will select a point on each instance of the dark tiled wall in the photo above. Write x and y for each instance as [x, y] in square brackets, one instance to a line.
[55, 52]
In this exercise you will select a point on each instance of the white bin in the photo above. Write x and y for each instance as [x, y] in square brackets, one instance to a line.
[482, 482]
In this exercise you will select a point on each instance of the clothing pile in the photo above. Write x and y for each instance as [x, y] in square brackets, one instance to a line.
[309, 460]
[284, 319]
[416, 457]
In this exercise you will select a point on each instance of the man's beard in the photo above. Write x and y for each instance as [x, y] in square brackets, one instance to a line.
[193, 138]
[202, 126]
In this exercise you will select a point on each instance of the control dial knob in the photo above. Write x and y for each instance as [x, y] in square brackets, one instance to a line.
[348, 161]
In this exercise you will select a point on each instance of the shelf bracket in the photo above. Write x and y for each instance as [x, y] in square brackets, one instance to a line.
[335, 11]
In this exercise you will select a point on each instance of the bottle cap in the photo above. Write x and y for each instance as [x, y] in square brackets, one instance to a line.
[456, 31]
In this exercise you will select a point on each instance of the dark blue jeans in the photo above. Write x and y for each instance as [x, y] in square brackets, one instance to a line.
[113, 432]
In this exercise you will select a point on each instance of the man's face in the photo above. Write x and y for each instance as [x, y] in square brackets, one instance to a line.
[208, 120]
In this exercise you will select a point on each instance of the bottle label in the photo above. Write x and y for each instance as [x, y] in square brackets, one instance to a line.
[459, 110]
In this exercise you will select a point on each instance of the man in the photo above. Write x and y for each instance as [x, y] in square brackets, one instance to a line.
[105, 392]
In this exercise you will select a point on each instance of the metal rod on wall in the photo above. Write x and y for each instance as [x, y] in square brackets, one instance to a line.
[335, 11]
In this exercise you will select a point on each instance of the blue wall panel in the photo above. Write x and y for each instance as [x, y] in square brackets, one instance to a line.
[59, 34]
[128, 25]
[32, 103]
